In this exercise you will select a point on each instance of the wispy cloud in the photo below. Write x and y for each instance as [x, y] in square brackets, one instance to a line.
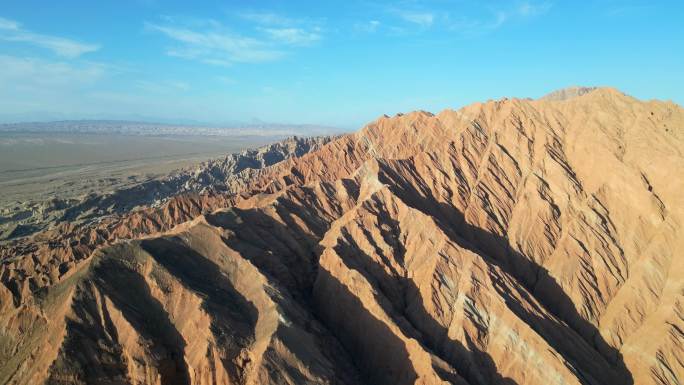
[268, 18]
[487, 17]
[530, 9]
[216, 46]
[285, 30]
[21, 71]
[35, 84]
[164, 86]
[211, 42]
[13, 31]
[294, 36]
[226, 80]
[521, 11]
[7, 24]
[370, 26]
[629, 9]
[423, 19]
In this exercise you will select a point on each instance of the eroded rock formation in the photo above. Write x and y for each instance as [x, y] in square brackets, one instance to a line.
[509, 242]
[217, 175]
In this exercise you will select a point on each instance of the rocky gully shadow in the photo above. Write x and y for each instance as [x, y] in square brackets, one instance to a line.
[90, 351]
[402, 300]
[130, 293]
[282, 252]
[233, 318]
[288, 257]
[579, 341]
[378, 353]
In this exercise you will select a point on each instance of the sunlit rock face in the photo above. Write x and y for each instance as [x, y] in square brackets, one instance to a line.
[509, 242]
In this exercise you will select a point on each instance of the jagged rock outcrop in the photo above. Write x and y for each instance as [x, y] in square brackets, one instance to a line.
[217, 175]
[509, 242]
[103, 219]
[567, 93]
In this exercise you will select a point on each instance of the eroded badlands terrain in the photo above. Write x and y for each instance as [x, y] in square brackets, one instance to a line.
[510, 242]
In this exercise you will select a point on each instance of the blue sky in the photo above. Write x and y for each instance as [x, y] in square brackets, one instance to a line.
[332, 63]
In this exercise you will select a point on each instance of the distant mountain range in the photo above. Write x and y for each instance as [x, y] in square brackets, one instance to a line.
[147, 128]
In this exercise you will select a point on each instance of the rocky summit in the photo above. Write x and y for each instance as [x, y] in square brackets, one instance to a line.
[515, 241]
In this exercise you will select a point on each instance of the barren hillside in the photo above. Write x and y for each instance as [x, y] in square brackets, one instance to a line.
[509, 242]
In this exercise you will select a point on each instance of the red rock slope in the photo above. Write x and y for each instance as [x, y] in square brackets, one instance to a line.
[509, 242]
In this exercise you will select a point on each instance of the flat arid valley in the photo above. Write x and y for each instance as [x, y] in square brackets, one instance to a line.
[507, 240]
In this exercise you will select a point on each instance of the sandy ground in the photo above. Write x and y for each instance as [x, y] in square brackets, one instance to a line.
[39, 166]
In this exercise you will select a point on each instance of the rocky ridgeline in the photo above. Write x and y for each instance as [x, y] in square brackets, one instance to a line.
[217, 174]
[509, 242]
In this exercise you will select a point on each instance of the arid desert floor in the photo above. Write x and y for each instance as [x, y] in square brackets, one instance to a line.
[34, 166]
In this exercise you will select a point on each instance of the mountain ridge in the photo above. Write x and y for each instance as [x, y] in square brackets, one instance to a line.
[511, 241]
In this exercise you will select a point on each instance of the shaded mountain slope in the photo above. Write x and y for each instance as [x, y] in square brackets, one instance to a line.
[509, 242]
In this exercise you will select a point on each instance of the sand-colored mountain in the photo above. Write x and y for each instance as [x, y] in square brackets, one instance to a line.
[509, 242]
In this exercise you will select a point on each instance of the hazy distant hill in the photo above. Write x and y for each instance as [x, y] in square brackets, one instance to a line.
[147, 128]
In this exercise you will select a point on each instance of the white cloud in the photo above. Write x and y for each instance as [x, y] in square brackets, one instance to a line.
[491, 16]
[12, 31]
[27, 72]
[499, 17]
[33, 84]
[268, 18]
[216, 46]
[38, 89]
[294, 36]
[60, 46]
[523, 10]
[210, 42]
[373, 25]
[164, 86]
[8, 24]
[370, 26]
[528, 9]
[226, 80]
[424, 19]
[629, 9]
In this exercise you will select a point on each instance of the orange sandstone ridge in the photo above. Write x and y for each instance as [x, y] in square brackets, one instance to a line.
[509, 242]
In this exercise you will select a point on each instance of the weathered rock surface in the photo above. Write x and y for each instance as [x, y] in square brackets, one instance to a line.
[568, 93]
[509, 242]
[216, 175]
